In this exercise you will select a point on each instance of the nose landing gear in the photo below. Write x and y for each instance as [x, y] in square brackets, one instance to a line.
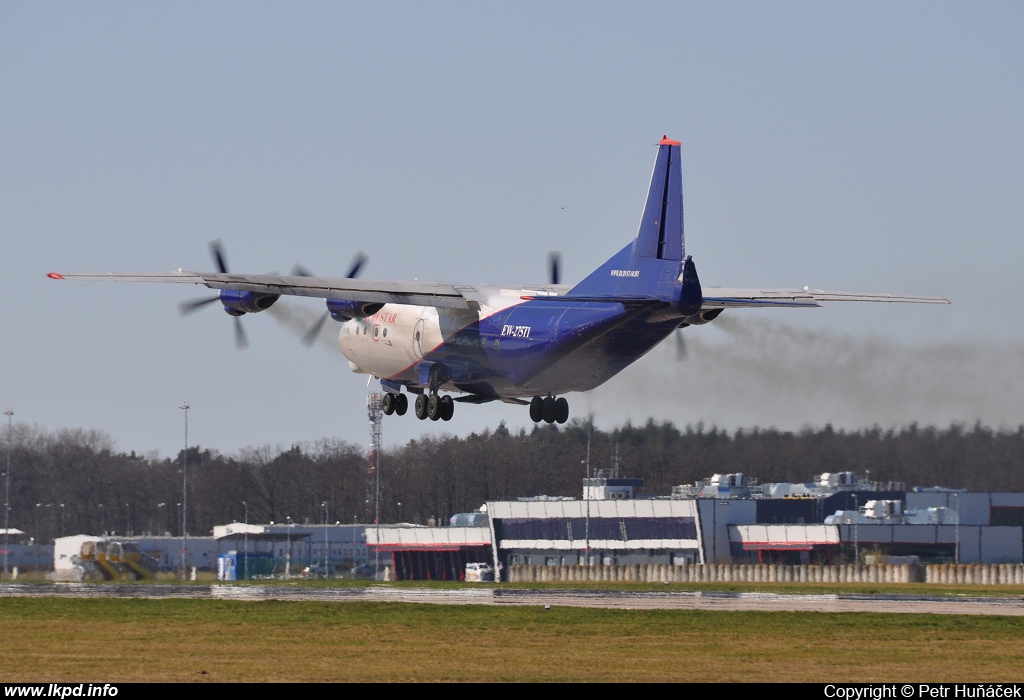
[549, 409]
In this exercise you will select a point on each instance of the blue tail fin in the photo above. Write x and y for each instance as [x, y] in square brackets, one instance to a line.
[652, 264]
[661, 227]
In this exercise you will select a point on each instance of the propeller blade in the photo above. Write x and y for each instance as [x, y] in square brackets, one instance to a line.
[311, 335]
[217, 251]
[357, 262]
[241, 342]
[680, 345]
[300, 270]
[187, 307]
[554, 265]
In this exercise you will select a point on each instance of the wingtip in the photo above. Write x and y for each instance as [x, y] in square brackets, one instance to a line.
[55, 276]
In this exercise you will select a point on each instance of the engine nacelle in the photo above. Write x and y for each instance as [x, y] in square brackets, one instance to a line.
[345, 310]
[704, 316]
[239, 303]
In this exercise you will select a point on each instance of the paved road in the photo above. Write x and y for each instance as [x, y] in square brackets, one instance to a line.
[649, 600]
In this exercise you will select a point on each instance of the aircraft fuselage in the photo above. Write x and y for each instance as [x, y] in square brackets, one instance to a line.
[503, 346]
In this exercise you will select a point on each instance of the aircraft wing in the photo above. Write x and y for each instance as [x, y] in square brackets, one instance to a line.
[806, 297]
[436, 294]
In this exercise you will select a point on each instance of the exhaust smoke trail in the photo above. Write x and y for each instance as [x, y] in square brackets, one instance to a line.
[753, 372]
[769, 374]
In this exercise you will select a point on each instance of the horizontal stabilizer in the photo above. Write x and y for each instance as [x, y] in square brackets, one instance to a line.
[740, 298]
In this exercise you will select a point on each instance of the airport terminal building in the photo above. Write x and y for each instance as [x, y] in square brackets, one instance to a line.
[726, 519]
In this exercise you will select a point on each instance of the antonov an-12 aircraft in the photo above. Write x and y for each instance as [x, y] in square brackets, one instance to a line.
[522, 345]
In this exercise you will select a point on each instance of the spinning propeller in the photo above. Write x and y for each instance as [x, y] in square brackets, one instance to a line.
[187, 307]
[299, 270]
[554, 266]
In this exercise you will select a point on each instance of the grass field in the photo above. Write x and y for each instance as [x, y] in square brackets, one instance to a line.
[109, 640]
[917, 589]
[733, 586]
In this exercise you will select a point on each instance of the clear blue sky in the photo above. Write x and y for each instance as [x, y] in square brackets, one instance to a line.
[869, 146]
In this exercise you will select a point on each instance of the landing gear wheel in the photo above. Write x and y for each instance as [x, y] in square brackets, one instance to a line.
[561, 410]
[447, 407]
[537, 409]
[549, 409]
[434, 407]
[421, 406]
[402, 404]
[387, 404]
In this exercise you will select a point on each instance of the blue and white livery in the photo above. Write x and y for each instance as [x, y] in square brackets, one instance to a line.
[529, 345]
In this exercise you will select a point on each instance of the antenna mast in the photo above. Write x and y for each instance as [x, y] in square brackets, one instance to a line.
[375, 415]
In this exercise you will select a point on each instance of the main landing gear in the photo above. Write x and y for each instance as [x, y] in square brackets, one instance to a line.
[434, 407]
[549, 409]
[429, 406]
[394, 403]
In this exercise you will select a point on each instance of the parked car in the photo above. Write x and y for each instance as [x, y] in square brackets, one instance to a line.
[318, 571]
[479, 571]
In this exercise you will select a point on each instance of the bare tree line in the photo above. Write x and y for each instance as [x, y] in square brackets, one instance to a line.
[74, 481]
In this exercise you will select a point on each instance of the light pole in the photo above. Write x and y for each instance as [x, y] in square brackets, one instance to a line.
[957, 497]
[7, 494]
[37, 538]
[856, 539]
[184, 496]
[160, 518]
[61, 519]
[325, 538]
[102, 512]
[245, 552]
[288, 552]
[586, 490]
[128, 519]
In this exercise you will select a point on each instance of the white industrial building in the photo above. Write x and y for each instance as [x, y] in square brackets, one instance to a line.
[724, 519]
[267, 550]
[290, 549]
